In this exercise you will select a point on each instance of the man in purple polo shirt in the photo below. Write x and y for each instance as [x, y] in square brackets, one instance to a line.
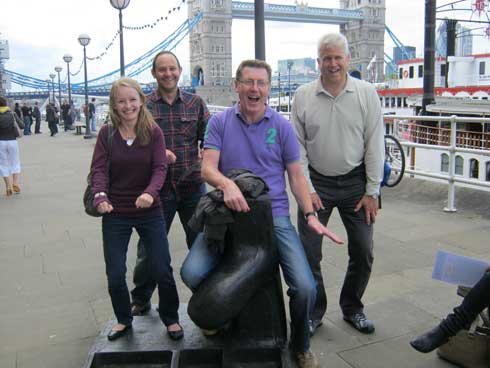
[251, 135]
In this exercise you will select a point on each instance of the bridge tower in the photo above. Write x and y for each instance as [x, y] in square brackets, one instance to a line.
[366, 37]
[210, 51]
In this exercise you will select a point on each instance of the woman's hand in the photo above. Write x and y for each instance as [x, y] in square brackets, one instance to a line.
[144, 201]
[104, 207]
[171, 158]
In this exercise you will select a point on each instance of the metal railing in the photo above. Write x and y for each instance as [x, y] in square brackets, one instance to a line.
[441, 133]
[417, 132]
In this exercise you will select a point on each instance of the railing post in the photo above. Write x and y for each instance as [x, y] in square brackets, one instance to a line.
[452, 165]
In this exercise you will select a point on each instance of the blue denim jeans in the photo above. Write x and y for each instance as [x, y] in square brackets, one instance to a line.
[93, 124]
[116, 232]
[297, 273]
[27, 125]
[144, 284]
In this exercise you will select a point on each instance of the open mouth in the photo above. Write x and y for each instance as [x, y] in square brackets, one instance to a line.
[254, 98]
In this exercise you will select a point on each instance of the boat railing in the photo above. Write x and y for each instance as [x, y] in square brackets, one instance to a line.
[446, 134]
[438, 133]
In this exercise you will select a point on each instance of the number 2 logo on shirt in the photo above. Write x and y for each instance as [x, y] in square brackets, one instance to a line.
[271, 136]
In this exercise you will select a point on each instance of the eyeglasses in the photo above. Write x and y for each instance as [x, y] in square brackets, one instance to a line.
[251, 82]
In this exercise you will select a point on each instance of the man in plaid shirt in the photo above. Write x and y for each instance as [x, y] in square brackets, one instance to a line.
[183, 117]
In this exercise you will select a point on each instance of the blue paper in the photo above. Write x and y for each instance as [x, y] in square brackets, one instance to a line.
[458, 270]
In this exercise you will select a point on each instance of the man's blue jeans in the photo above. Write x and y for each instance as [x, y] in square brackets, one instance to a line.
[116, 233]
[27, 125]
[144, 284]
[302, 289]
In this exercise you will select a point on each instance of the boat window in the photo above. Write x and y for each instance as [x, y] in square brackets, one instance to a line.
[445, 163]
[482, 67]
[458, 170]
[474, 166]
[421, 71]
[487, 171]
[410, 72]
[400, 73]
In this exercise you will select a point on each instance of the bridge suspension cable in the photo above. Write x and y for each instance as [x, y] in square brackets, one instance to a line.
[135, 67]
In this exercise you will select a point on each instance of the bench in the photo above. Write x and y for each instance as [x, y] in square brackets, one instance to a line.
[78, 127]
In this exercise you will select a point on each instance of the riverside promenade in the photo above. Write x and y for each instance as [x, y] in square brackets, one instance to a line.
[53, 293]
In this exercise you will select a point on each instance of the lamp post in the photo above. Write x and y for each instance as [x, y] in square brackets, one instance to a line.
[290, 64]
[120, 5]
[67, 58]
[58, 70]
[52, 76]
[49, 90]
[84, 40]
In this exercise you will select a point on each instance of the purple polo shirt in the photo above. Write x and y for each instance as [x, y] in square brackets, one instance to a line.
[265, 148]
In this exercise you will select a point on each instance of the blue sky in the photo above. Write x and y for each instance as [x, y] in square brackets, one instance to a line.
[40, 33]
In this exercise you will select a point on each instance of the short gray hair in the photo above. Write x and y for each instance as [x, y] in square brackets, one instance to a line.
[333, 40]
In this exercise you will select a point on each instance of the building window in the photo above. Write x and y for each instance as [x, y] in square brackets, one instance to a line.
[482, 67]
[458, 170]
[445, 163]
[421, 71]
[474, 168]
[410, 72]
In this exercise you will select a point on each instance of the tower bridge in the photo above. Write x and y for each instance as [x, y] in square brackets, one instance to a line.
[361, 21]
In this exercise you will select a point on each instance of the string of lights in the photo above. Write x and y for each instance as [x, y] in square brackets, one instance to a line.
[153, 24]
[145, 26]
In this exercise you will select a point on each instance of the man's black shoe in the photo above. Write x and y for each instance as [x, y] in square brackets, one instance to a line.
[140, 309]
[360, 322]
[429, 341]
[314, 324]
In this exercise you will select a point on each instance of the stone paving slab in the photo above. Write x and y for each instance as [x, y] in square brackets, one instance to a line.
[54, 300]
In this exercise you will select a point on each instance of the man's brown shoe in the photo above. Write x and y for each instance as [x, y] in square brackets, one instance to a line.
[306, 359]
[140, 309]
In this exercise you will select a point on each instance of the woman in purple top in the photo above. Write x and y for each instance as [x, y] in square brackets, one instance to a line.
[137, 172]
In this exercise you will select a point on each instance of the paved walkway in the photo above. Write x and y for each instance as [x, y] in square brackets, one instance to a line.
[53, 297]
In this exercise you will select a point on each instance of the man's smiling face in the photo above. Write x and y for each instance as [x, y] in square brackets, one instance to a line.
[253, 89]
[334, 65]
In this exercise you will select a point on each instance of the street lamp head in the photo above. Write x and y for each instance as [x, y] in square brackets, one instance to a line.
[119, 4]
[67, 58]
[52, 75]
[58, 69]
[84, 39]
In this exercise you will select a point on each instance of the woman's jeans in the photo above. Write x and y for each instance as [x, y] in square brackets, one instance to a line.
[297, 273]
[185, 207]
[116, 232]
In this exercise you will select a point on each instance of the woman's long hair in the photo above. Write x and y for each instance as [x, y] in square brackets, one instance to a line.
[145, 121]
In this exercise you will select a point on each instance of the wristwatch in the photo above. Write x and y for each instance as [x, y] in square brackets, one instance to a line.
[308, 214]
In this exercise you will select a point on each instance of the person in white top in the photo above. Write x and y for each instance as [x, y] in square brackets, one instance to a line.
[339, 126]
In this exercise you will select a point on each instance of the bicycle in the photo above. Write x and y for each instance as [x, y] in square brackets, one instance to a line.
[394, 162]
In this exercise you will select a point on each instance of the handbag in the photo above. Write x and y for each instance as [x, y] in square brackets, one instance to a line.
[88, 196]
[17, 130]
[468, 348]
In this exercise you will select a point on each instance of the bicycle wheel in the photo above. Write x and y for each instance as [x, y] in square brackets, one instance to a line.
[395, 156]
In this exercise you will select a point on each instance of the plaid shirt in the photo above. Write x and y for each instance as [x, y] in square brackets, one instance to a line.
[183, 124]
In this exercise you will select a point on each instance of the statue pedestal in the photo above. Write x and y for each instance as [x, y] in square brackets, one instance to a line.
[148, 346]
